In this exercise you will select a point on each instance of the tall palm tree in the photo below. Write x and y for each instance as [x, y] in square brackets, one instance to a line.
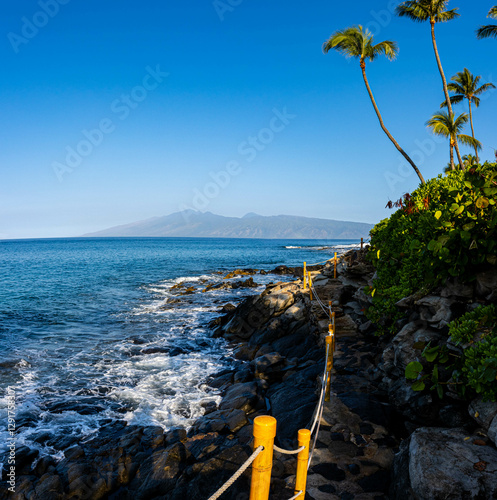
[490, 30]
[444, 124]
[465, 86]
[434, 11]
[358, 42]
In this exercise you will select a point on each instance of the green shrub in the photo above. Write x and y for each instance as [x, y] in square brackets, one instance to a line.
[475, 371]
[446, 227]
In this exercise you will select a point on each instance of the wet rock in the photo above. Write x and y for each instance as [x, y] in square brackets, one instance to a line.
[158, 473]
[244, 396]
[268, 366]
[245, 352]
[220, 421]
[240, 272]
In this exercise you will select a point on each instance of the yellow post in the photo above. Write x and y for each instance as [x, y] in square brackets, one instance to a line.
[329, 308]
[362, 242]
[335, 265]
[264, 434]
[310, 284]
[305, 275]
[304, 437]
[334, 328]
[329, 363]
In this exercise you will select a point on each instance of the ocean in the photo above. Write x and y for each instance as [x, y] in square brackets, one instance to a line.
[92, 330]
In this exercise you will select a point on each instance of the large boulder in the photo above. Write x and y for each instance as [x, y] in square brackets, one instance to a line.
[443, 463]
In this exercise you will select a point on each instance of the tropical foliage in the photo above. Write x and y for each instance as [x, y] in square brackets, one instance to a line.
[448, 227]
[470, 372]
[451, 127]
[358, 42]
[465, 86]
[490, 30]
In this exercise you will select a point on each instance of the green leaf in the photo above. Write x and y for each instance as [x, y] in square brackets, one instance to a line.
[440, 391]
[482, 202]
[468, 184]
[438, 214]
[454, 207]
[434, 375]
[468, 226]
[419, 345]
[413, 369]
[417, 386]
[460, 210]
[490, 191]
[431, 353]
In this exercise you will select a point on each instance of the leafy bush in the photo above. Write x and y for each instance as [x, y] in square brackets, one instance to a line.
[475, 371]
[446, 227]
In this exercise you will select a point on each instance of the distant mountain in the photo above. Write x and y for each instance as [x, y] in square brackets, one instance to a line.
[208, 225]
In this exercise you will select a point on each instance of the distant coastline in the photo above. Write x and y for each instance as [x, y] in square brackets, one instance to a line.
[195, 224]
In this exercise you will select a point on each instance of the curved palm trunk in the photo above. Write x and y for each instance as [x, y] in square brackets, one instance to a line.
[451, 142]
[472, 129]
[444, 81]
[389, 135]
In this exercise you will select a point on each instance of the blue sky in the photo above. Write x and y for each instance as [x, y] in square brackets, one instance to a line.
[113, 112]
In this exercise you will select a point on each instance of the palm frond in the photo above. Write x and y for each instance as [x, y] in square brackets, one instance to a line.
[454, 99]
[446, 16]
[489, 31]
[414, 10]
[493, 12]
[484, 88]
[388, 48]
[467, 140]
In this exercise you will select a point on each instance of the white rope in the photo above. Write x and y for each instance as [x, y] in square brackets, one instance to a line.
[237, 474]
[288, 452]
[321, 303]
[315, 438]
[297, 495]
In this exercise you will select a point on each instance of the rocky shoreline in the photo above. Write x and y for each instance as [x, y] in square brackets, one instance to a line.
[378, 439]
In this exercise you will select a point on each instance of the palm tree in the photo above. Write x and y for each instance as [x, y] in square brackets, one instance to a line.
[358, 42]
[490, 30]
[434, 11]
[465, 86]
[444, 124]
[470, 161]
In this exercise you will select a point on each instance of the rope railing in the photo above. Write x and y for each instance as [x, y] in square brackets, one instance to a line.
[288, 452]
[237, 474]
[265, 427]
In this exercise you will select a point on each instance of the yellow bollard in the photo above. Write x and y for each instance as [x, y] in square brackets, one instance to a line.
[334, 328]
[264, 434]
[330, 303]
[305, 275]
[304, 437]
[335, 265]
[329, 364]
[310, 284]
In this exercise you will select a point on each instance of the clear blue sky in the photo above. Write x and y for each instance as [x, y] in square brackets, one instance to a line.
[248, 92]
